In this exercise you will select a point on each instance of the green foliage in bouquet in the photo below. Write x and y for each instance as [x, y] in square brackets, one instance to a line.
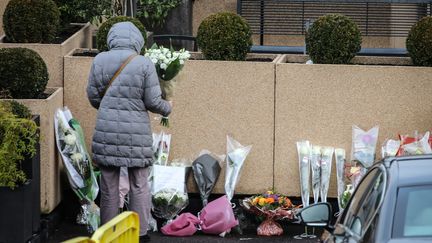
[419, 42]
[31, 21]
[333, 39]
[18, 139]
[101, 36]
[24, 74]
[174, 201]
[83, 11]
[153, 13]
[224, 36]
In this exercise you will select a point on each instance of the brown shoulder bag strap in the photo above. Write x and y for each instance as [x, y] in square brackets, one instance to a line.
[102, 94]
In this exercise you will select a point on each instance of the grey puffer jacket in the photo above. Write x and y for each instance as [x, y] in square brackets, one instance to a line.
[123, 135]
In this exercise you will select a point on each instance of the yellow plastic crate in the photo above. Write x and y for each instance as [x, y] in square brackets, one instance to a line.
[124, 228]
[80, 239]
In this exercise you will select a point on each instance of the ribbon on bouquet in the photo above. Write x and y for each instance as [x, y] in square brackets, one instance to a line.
[215, 218]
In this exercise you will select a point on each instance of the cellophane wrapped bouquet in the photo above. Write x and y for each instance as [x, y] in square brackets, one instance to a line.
[169, 193]
[273, 206]
[78, 166]
[168, 64]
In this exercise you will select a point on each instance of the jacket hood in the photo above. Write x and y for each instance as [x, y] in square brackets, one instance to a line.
[125, 35]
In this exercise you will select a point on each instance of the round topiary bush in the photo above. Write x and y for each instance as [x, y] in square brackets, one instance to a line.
[23, 72]
[333, 39]
[31, 21]
[419, 42]
[101, 36]
[224, 36]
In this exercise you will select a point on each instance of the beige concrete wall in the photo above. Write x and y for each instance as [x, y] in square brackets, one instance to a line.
[322, 102]
[3, 4]
[212, 99]
[50, 162]
[53, 54]
[76, 74]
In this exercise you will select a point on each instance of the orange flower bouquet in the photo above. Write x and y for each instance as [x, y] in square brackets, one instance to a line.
[273, 206]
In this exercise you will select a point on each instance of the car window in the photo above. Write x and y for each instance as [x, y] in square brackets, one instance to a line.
[365, 202]
[413, 215]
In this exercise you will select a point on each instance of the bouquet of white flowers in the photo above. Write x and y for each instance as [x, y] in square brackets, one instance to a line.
[78, 164]
[168, 64]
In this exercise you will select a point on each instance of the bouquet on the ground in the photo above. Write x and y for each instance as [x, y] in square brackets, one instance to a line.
[340, 175]
[362, 152]
[272, 206]
[236, 156]
[78, 164]
[168, 63]
[161, 147]
[206, 169]
[169, 194]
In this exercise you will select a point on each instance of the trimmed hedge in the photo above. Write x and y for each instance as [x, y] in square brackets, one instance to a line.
[24, 74]
[224, 36]
[333, 39]
[419, 42]
[31, 21]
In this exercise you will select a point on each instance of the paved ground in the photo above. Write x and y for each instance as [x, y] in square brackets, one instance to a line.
[68, 230]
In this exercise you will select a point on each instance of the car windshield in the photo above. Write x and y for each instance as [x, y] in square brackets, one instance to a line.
[413, 216]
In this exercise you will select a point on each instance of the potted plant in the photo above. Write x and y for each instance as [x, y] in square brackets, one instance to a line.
[19, 173]
[320, 102]
[36, 25]
[24, 79]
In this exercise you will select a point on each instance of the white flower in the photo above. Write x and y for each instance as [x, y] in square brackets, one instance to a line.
[76, 157]
[70, 139]
[181, 62]
[163, 66]
[154, 60]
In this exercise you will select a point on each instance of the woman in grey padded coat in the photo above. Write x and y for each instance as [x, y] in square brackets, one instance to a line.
[123, 136]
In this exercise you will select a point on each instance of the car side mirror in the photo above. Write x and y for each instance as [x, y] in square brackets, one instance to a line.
[316, 215]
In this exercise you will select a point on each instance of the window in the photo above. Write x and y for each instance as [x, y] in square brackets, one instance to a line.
[413, 216]
[366, 202]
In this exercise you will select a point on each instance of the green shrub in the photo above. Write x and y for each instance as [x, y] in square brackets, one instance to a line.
[333, 39]
[18, 139]
[101, 36]
[153, 13]
[419, 42]
[31, 21]
[224, 36]
[16, 108]
[23, 73]
[83, 11]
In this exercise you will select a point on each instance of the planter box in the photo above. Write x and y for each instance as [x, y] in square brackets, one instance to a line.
[50, 165]
[212, 99]
[321, 102]
[20, 208]
[53, 54]
[16, 213]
